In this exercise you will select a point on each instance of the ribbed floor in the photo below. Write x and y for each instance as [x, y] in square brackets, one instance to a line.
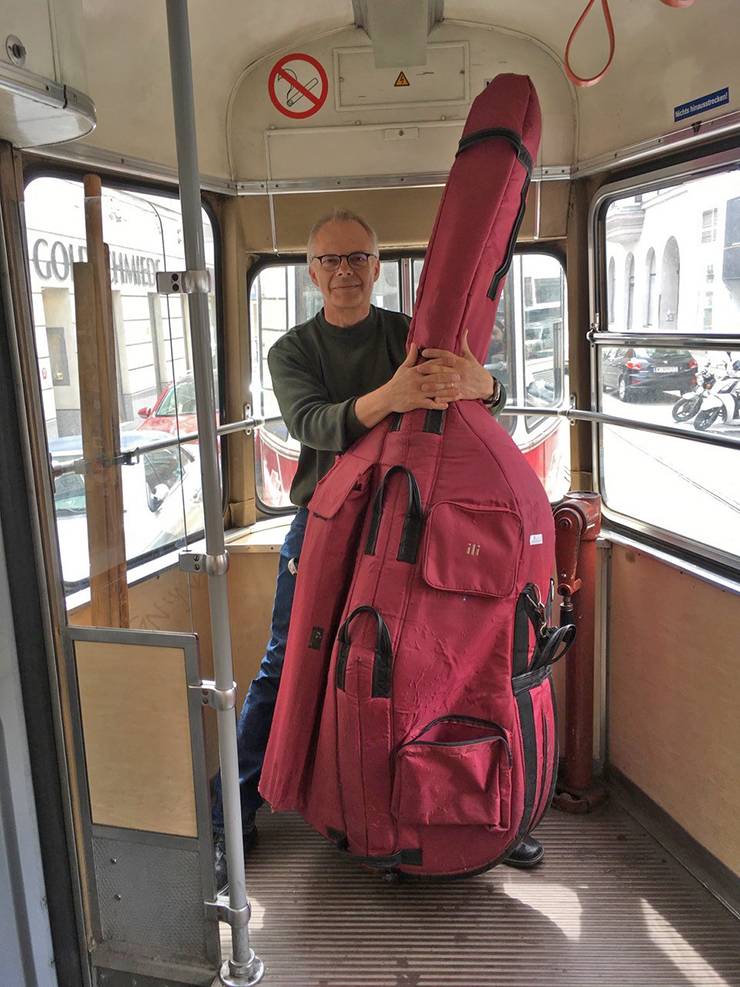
[606, 908]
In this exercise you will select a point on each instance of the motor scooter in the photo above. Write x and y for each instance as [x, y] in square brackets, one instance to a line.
[690, 404]
[722, 404]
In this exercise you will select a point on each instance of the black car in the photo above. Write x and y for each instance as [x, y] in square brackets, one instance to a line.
[629, 370]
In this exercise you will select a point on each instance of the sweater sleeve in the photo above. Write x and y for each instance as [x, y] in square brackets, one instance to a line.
[304, 403]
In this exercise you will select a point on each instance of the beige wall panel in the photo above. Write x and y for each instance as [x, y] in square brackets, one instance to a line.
[664, 57]
[553, 210]
[160, 603]
[163, 603]
[134, 706]
[402, 217]
[133, 95]
[251, 593]
[340, 142]
[674, 728]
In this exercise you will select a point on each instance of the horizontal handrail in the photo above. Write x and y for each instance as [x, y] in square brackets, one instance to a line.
[668, 340]
[129, 456]
[574, 414]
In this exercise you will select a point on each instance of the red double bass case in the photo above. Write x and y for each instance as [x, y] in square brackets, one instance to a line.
[415, 723]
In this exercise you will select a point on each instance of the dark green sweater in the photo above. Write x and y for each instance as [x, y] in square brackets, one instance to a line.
[318, 371]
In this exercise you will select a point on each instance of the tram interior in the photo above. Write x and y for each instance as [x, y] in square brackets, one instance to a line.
[632, 227]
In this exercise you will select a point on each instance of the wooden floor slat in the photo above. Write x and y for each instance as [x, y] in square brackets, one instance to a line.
[608, 907]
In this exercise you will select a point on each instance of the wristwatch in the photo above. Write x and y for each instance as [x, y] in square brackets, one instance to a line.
[495, 395]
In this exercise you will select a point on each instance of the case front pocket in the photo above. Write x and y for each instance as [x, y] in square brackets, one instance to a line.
[455, 772]
[472, 550]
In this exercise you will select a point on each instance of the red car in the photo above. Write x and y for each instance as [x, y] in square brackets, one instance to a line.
[275, 453]
[176, 402]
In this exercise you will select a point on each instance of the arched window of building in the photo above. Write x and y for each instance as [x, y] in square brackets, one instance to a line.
[650, 288]
[670, 273]
[629, 286]
[610, 292]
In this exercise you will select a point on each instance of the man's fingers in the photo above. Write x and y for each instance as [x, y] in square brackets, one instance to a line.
[436, 367]
[434, 380]
[432, 354]
[447, 388]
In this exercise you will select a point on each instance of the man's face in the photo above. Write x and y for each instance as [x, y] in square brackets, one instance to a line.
[347, 288]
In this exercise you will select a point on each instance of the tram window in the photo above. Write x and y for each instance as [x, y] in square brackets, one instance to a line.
[526, 353]
[282, 296]
[543, 317]
[676, 263]
[161, 493]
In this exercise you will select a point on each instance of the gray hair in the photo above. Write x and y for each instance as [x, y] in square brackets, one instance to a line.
[340, 216]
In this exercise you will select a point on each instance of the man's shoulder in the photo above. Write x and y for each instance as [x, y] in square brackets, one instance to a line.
[391, 317]
[296, 338]
[394, 324]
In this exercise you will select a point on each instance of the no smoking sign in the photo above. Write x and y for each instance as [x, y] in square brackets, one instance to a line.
[298, 85]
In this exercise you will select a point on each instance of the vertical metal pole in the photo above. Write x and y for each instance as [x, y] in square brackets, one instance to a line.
[244, 967]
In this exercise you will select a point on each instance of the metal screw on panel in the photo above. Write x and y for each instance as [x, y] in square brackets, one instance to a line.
[116, 897]
[15, 49]
[114, 860]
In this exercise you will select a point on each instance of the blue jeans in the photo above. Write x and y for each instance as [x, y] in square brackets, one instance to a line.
[255, 719]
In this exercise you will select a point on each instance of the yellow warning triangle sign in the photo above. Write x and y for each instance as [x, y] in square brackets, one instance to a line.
[401, 80]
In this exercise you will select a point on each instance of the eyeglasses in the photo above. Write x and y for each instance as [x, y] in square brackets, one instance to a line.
[356, 260]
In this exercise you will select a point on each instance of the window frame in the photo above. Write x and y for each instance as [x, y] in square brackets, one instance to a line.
[644, 180]
[531, 424]
[264, 261]
[142, 566]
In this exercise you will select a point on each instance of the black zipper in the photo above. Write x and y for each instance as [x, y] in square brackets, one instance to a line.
[545, 748]
[466, 720]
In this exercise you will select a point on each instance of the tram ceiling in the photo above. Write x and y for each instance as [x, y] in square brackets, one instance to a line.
[243, 137]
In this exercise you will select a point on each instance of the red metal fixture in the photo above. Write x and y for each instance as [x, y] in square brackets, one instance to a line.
[577, 525]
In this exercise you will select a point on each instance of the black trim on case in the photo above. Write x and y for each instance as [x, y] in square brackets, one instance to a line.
[435, 421]
[530, 679]
[409, 858]
[521, 636]
[383, 664]
[504, 269]
[511, 136]
[525, 158]
[396, 421]
[555, 746]
[412, 528]
[529, 745]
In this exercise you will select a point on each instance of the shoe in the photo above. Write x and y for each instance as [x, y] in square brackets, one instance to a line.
[249, 839]
[526, 854]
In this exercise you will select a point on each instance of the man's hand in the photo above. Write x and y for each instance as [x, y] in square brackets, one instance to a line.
[405, 392]
[474, 381]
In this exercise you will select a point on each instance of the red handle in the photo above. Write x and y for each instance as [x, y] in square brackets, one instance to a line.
[578, 80]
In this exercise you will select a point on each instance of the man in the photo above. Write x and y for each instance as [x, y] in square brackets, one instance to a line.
[335, 377]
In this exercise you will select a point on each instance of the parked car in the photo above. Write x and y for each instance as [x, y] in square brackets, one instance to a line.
[632, 370]
[175, 405]
[161, 501]
[275, 452]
